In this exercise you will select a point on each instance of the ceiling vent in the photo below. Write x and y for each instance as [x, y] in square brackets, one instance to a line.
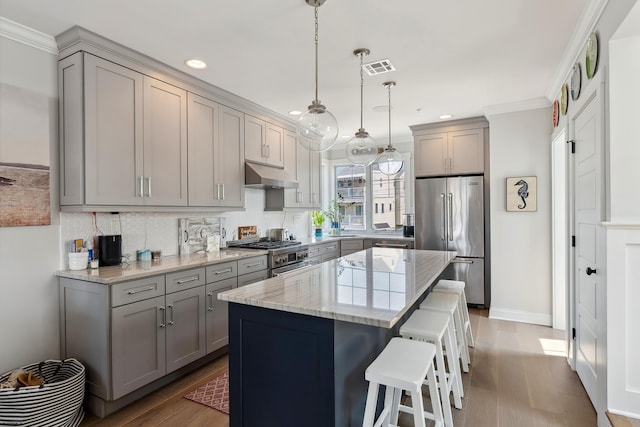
[379, 67]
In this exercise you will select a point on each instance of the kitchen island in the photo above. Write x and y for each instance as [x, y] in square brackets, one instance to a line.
[300, 343]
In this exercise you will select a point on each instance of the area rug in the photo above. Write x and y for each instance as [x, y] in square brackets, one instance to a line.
[214, 394]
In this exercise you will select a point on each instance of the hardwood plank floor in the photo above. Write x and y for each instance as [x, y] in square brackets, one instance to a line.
[519, 377]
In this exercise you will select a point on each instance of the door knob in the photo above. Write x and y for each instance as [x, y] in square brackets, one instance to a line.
[590, 271]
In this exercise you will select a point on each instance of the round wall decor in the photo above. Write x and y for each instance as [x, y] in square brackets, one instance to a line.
[576, 81]
[564, 99]
[591, 56]
[556, 113]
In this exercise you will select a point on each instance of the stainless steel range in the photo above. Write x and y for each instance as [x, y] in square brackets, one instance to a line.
[283, 255]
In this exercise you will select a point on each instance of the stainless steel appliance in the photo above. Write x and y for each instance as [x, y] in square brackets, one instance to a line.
[283, 255]
[450, 216]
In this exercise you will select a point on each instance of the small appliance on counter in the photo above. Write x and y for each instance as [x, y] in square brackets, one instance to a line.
[110, 250]
[407, 226]
[278, 234]
[200, 235]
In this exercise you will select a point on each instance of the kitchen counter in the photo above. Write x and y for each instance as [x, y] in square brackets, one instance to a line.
[353, 236]
[299, 344]
[373, 287]
[139, 269]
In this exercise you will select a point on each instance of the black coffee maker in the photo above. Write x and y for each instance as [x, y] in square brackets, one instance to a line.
[110, 250]
[407, 226]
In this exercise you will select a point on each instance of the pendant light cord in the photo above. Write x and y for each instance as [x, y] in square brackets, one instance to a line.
[316, 42]
[389, 87]
[361, 90]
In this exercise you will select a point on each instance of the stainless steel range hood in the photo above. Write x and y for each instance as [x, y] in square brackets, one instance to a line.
[266, 177]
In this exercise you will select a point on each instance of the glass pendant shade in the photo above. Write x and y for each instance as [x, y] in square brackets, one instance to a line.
[317, 129]
[362, 150]
[390, 161]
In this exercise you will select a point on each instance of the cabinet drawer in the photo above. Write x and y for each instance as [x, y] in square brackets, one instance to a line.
[250, 265]
[351, 245]
[222, 284]
[185, 279]
[315, 250]
[331, 249]
[246, 279]
[222, 271]
[137, 290]
[396, 244]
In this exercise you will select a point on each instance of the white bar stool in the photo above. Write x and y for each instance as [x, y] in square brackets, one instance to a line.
[402, 365]
[457, 287]
[435, 327]
[448, 303]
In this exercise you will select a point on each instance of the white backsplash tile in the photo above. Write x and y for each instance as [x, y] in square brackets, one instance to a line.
[159, 230]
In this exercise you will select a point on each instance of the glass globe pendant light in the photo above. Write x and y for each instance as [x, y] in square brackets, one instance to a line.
[317, 128]
[390, 162]
[362, 150]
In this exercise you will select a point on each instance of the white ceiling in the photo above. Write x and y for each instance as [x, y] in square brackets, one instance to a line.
[457, 57]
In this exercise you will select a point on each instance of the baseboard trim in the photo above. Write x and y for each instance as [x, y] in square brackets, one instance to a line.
[520, 316]
[619, 420]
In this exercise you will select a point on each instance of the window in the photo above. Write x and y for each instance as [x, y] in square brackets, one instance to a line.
[365, 192]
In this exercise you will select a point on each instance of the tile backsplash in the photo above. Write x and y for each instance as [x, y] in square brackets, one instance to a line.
[159, 230]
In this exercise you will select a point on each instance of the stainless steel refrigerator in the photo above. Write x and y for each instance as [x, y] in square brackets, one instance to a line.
[450, 216]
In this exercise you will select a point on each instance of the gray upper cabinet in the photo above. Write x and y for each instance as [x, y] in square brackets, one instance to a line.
[305, 166]
[216, 153]
[132, 131]
[452, 148]
[264, 142]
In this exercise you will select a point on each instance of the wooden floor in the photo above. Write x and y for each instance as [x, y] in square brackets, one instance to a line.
[519, 377]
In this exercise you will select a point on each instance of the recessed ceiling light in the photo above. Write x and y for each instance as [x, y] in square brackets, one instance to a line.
[446, 116]
[295, 112]
[196, 64]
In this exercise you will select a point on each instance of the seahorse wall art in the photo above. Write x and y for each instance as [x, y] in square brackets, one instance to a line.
[521, 194]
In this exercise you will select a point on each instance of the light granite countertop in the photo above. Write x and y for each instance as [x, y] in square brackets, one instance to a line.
[375, 287]
[353, 236]
[138, 269]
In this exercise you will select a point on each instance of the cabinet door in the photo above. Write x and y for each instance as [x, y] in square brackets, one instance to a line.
[431, 154]
[274, 142]
[218, 314]
[113, 133]
[315, 176]
[165, 144]
[230, 158]
[138, 345]
[294, 165]
[254, 139]
[466, 151]
[202, 123]
[185, 329]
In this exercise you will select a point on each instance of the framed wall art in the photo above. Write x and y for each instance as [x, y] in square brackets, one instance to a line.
[522, 194]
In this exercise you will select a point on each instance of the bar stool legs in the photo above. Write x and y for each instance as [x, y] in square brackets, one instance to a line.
[402, 365]
[436, 327]
[457, 287]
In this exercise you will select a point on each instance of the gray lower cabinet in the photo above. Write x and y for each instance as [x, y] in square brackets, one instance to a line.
[388, 243]
[350, 246]
[330, 250]
[218, 314]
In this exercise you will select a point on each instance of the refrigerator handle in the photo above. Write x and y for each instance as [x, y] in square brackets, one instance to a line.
[451, 217]
[444, 216]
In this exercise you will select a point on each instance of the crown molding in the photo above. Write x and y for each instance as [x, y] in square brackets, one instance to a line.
[513, 107]
[17, 32]
[576, 44]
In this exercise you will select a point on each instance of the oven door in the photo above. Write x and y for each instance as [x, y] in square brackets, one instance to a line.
[282, 271]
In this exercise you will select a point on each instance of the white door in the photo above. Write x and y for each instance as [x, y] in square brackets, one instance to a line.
[590, 295]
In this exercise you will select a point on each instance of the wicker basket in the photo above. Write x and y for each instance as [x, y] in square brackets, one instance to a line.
[57, 402]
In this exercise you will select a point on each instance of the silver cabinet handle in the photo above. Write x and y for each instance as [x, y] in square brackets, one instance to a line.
[217, 191]
[451, 217]
[171, 307]
[462, 261]
[228, 270]
[148, 186]
[392, 245]
[210, 307]
[222, 185]
[253, 265]
[136, 291]
[444, 217]
[164, 316]
[190, 279]
[268, 151]
[141, 183]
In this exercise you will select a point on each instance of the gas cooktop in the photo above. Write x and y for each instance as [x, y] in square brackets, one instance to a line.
[264, 244]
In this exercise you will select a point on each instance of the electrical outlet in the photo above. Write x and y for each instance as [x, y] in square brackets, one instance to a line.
[115, 226]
